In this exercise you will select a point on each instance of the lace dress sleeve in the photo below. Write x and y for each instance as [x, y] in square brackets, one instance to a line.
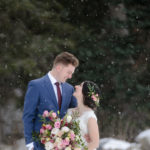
[91, 114]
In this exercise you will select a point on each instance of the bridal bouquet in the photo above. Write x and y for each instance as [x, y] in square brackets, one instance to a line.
[60, 134]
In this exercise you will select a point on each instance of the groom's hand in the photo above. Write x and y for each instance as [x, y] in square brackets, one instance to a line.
[87, 138]
[31, 148]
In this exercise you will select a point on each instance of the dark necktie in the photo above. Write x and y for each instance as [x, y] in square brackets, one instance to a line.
[58, 94]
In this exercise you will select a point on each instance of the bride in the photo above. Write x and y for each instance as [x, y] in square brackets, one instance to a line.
[87, 95]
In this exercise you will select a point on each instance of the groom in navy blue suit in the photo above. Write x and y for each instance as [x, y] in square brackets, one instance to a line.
[50, 92]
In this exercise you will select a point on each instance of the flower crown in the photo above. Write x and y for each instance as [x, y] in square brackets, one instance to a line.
[94, 96]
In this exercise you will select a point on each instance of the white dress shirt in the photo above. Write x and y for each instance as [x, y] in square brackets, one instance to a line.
[53, 81]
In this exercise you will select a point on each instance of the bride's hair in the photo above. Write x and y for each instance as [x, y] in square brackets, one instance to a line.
[87, 97]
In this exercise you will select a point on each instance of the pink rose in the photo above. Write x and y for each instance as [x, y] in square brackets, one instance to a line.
[54, 115]
[52, 141]
[42, 131]
[57, 124]
[45, 113]
[65, 142]
[96, 95]
[94, 98]
[60, 133]
[72, 135]
[49, 127]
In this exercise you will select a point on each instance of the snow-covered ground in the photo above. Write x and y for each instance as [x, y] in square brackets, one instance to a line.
[142, 142]
[144, 135]
[18, 145]
[113, 144]
[144, 139]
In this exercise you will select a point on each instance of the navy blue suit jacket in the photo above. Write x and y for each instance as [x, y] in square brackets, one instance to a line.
[40, 96]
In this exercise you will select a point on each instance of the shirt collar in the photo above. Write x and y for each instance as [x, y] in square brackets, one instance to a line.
[52, 79]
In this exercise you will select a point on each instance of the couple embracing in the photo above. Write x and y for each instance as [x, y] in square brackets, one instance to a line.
[51, 92]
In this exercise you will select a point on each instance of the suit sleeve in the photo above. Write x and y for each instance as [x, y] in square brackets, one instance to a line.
[30, 105]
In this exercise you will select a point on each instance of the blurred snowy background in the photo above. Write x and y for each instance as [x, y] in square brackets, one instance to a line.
[111, 40]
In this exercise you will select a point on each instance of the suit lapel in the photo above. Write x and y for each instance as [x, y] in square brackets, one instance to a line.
[50, 90]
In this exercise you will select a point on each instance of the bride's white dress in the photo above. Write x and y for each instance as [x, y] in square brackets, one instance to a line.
[84, 122]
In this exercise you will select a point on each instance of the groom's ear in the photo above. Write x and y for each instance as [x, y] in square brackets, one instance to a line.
[58, 67]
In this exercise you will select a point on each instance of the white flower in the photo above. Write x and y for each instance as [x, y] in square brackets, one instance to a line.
[71, 131]
[69, 118]
[55, 131]
[67, 148]
[49, 146]
[58, 140]
[59, 145]
[65, 129]
[77, 137]
[67, 139]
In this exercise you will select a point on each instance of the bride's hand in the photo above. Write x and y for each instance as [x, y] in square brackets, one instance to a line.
[87, 138]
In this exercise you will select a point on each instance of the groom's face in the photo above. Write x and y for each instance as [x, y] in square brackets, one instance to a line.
[65, 72]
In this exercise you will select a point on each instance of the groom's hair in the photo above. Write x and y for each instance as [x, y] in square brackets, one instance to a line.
[87, 99]
[66, 58]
